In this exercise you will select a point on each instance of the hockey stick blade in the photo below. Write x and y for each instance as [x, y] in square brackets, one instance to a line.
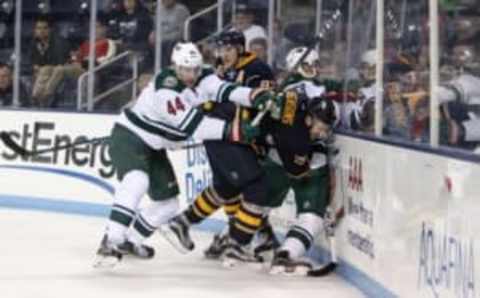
[10, 143]
[322, 271]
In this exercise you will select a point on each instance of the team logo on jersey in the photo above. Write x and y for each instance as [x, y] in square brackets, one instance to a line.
[355, 174]
[290, 108]
[170, 82]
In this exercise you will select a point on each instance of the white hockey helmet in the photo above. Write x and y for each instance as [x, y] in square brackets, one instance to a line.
[187, 55]
[310, 61]
[187, 61]
[368, 65]
[369, 57]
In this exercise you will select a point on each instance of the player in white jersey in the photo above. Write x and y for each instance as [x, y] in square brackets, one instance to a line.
[289, 133]
[356, 111]
[460, 97]
[164, 116]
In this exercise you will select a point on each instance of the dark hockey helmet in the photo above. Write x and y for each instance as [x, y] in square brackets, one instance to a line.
[234, 38]
[324, 110]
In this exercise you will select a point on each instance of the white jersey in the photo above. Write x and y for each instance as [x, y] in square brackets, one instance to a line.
[466, 89]
[165, 114]
[354, 109]
[308, 87]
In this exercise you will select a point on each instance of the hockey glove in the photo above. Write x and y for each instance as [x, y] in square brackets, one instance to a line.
[260, 97]
[240, 130]
[285, 107]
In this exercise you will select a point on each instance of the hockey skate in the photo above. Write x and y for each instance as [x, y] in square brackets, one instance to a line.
[235, 253]
[283, 264]
[217, 247]
[108, 254]
[177, 233]
[266, 240]
[140, 251]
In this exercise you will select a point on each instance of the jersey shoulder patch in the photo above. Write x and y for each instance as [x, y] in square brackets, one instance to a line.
[293, 79]
[167, 79]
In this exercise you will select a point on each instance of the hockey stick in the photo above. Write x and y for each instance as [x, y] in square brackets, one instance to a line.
[15, 147]
[330, 231]
[332, 265]
[310, 47]
[262, 113]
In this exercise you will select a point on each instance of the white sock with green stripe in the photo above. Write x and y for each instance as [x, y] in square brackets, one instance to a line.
[150, 218]
[301, 235]
[128, 194]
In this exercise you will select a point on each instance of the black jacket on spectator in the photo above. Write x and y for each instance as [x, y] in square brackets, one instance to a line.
[135, 28]
[57, 52]
[6, 97]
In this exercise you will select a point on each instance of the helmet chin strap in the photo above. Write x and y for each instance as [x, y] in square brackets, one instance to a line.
[308, 75]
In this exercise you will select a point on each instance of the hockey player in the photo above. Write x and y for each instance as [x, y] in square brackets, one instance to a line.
[312, 191]
[357, 110]
[163, 117]
[243, 67]
[289, 133]
[238, 180]
[297, 155]
[460, 98]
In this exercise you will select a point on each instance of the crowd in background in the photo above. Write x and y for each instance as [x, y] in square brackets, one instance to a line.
[56, 46]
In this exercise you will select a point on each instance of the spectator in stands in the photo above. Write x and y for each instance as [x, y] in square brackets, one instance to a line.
[243, 21]
[105, 49]
[47, 51]
[259, 47]
[6, 89]
[420, 124]
[466, 26]
[173, 17]
[327, 67]
[135, 24]
[282, 46]
[396, 113]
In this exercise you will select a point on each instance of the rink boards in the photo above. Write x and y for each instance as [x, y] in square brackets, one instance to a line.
[411, 216]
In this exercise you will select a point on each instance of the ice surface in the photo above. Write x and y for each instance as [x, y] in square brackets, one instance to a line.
[50, 255]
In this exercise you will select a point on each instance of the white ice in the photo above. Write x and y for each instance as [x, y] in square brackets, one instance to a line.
[50, 255]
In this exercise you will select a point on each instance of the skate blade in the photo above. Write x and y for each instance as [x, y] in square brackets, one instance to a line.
[290, 271]
[266, 256]
[232, 262]
[105, 262]
[229, 263]
[212, 257]
[276, 270]
[173, 240]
